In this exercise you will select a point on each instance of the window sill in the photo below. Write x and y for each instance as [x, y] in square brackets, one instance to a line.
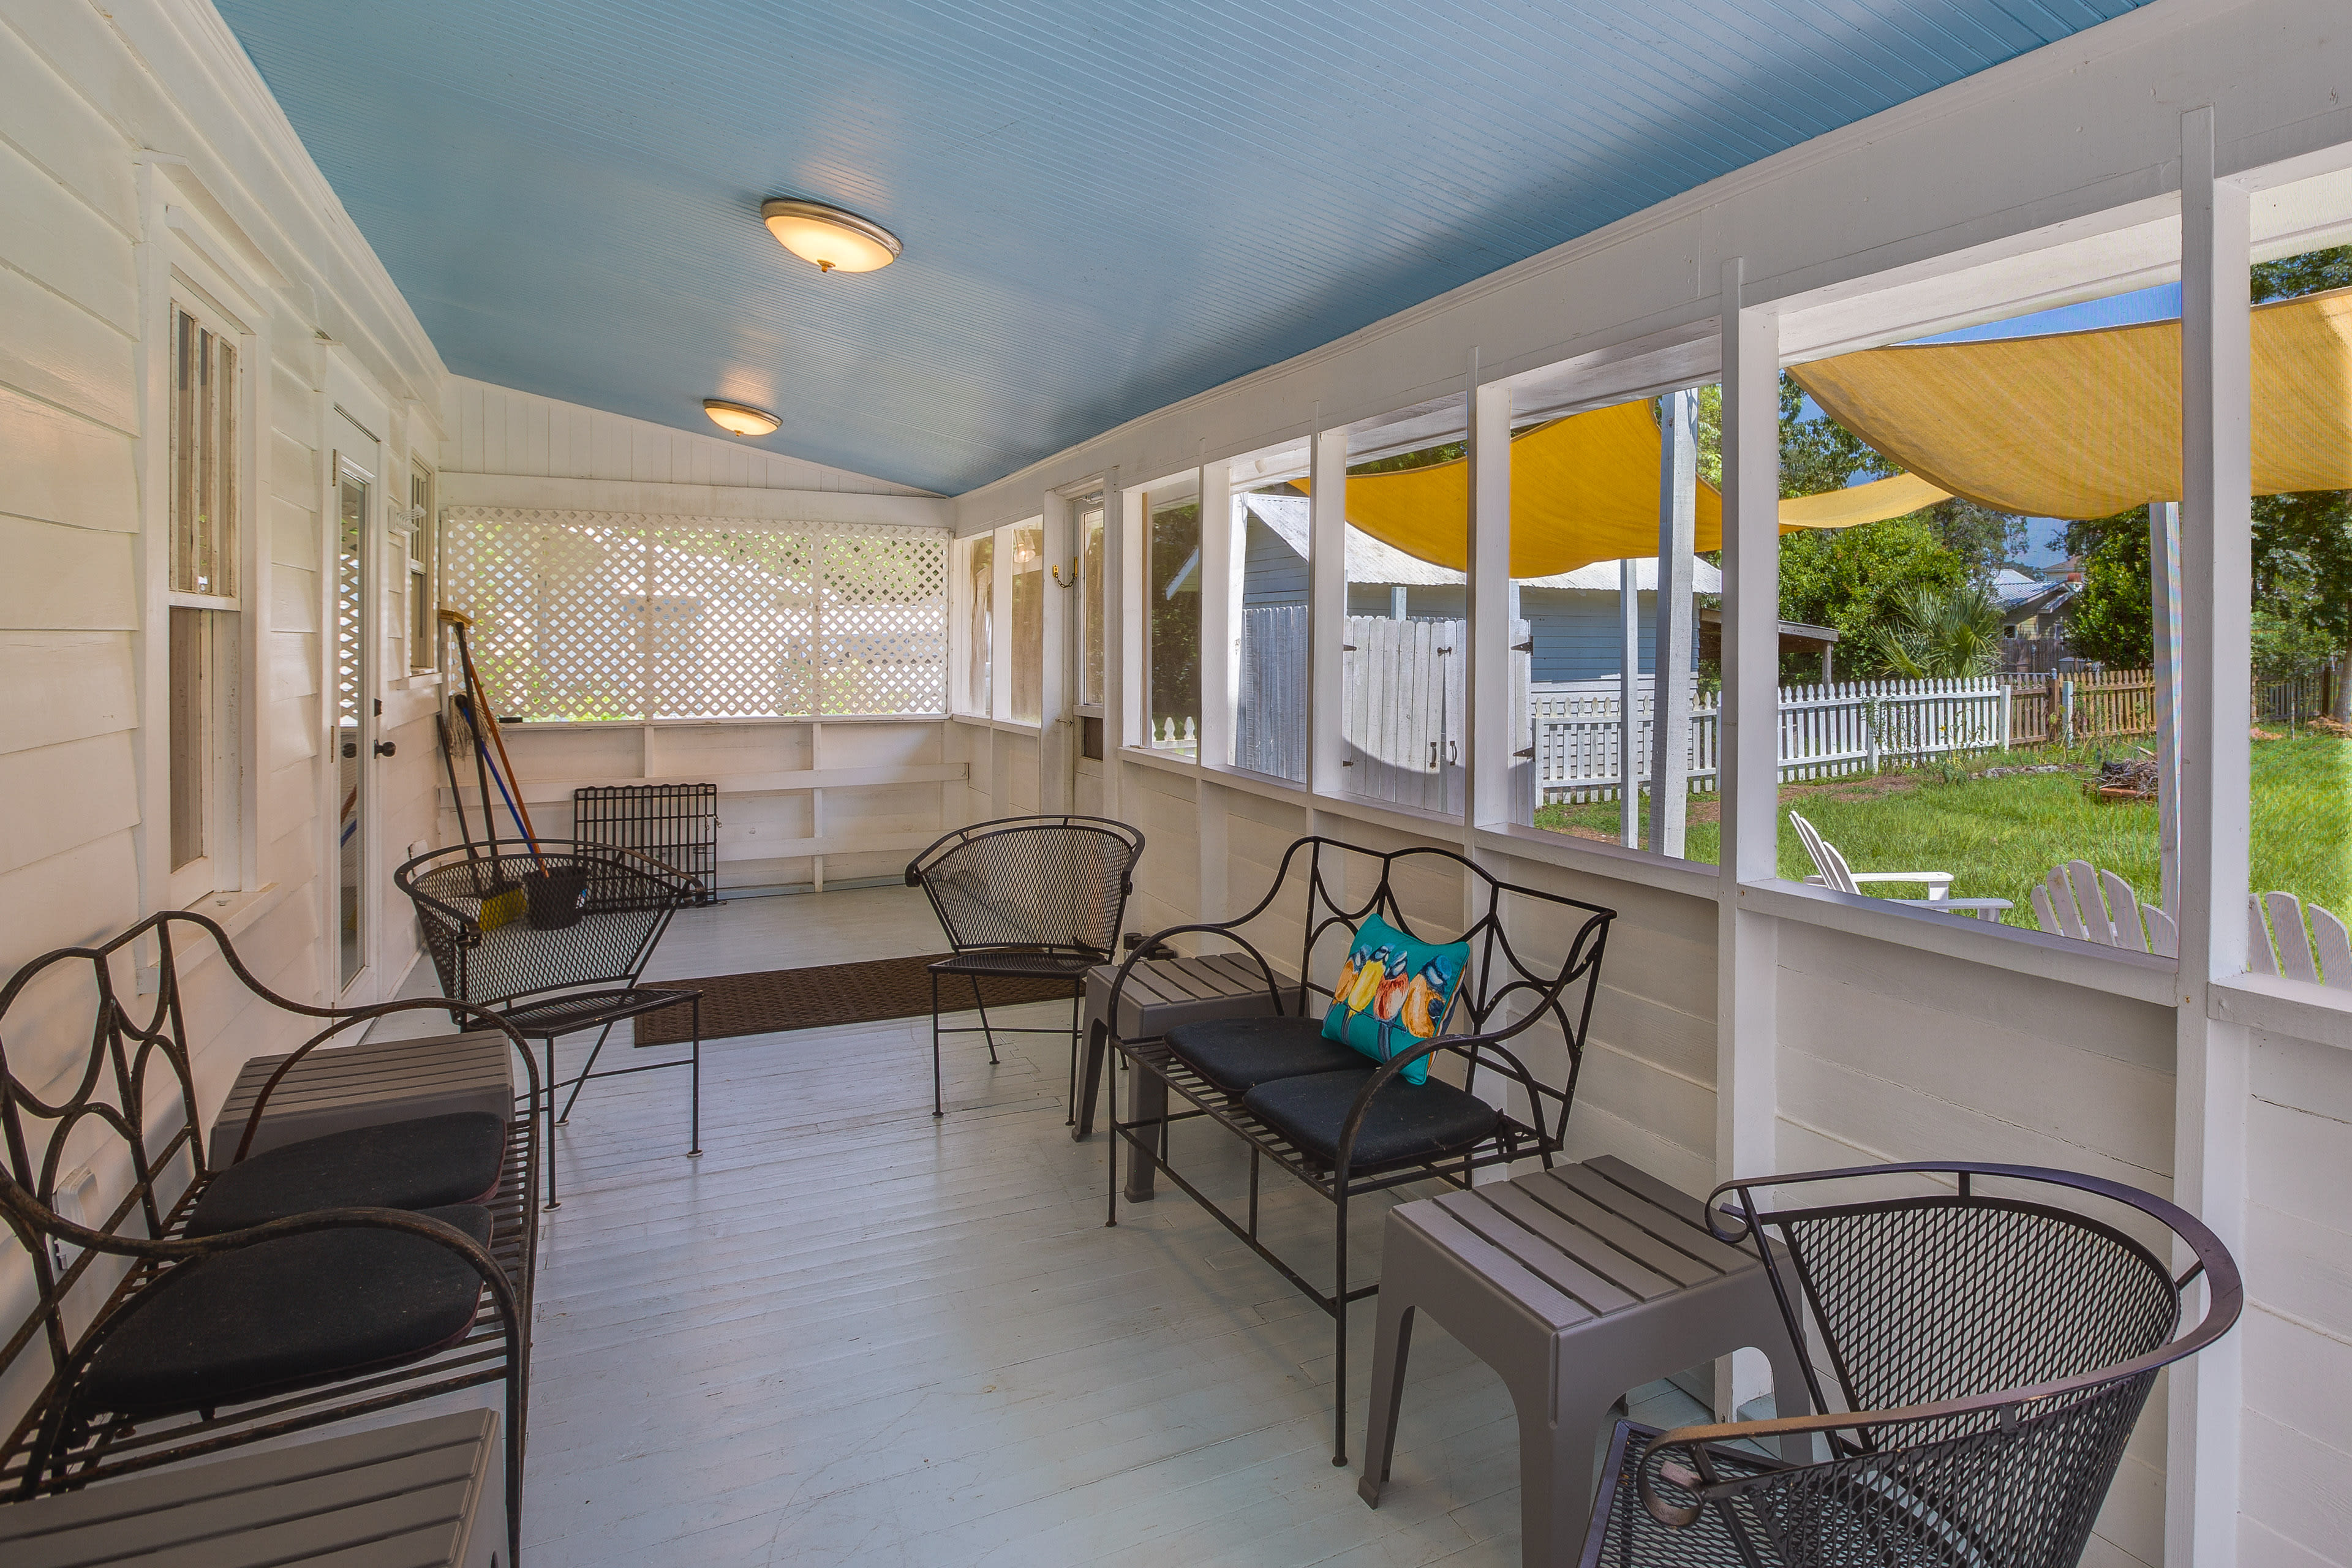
[2281, 1007]
[2140, 977]
[1695, 877]
[235, 913]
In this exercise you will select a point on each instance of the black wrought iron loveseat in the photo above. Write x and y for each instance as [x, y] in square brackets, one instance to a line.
[1501, 1072]
[183, 1306]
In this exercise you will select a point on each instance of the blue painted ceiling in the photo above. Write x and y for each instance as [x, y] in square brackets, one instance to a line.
[1106, 205]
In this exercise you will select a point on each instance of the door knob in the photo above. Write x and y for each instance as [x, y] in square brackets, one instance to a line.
[384, 748]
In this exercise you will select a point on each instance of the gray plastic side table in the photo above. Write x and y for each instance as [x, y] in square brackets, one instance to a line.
[336, 1088]
[423, 1494]
[1161, 994]
[1575, 1284]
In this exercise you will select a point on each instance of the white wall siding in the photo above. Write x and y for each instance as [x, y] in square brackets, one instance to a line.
[500, 430]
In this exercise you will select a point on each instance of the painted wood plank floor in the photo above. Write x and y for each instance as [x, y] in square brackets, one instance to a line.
[852, 1334]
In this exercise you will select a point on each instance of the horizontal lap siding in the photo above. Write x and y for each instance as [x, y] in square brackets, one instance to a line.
[1646, 1090]
[2298, 1326]
[1258, 831]
[69, 516]
[1891, 1053]
[500, 430]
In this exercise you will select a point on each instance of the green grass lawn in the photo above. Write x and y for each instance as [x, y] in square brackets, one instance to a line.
[1999, 836]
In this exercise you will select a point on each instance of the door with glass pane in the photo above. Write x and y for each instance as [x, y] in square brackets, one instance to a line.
[353, 736]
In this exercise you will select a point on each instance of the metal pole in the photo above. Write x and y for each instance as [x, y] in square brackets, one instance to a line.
[2164, 588]
[1629, 677]
[1677, 533]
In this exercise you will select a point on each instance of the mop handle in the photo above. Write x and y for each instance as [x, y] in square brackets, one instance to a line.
[527, 836]
[483, 718]
[450, 765]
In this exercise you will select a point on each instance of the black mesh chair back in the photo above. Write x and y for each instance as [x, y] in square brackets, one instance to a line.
[1040, 897]
[630, 898]
[1984, 1352]
[1054, 882]
[556, 940]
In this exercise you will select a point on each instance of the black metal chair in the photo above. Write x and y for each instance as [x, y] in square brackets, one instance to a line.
[1328, 1116]
[575, 960]
[1992, 1347]
[186, 1307]
[1039, 897]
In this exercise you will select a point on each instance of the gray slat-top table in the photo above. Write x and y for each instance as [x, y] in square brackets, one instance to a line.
[423, 1494]
[336, 1088]
[1575, 1284]
[1161, 994]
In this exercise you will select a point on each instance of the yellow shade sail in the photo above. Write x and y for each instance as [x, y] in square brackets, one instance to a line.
[1873, 502]
[2086, 424]
[1583, 489]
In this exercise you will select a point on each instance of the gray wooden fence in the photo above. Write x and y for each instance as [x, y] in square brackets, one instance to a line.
[1402, 703]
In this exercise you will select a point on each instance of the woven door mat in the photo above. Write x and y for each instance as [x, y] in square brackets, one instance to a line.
[771, 1001]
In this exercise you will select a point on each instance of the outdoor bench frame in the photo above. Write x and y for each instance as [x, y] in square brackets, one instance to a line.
[50, 1449]
[1502, 997]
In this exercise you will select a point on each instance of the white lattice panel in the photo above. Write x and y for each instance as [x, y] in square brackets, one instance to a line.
[608, 616]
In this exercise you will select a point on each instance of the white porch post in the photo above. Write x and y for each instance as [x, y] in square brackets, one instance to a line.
[1128, 551]
[1056, 737]
[1000, 639]
[1116, 706]
[1221, 616]
[1491, 726]
[1629, 688]
[2209, 1177]
[1670, 705]
[1327, 596]
[2164, 590]
[1746, 1026]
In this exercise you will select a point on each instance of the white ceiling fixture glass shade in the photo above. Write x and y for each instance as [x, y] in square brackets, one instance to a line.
[740, 418]
[836, 241]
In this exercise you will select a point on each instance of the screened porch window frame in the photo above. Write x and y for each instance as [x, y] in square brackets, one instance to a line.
[1813, 322]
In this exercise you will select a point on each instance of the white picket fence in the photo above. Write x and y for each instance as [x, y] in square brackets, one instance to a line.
[1401, 705]
[1851, 727]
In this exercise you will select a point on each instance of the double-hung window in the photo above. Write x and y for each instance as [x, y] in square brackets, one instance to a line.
[204, 593]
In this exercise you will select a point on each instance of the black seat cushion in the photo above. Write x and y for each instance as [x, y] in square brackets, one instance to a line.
[1405, 1122]
[429, 1163]
[1239, 1054]
[285, 1314]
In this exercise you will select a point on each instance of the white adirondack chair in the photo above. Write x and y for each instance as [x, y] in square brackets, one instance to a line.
[1830, 871]
[2282, 948]
[2068, 903]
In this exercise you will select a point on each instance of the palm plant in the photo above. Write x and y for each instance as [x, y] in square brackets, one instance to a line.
[1938, 633]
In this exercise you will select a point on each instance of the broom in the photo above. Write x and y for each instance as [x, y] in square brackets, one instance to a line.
[501, 900]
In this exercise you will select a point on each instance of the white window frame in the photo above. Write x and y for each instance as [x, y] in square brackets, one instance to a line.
[423, 569]
[1100, 495]
[189, 273]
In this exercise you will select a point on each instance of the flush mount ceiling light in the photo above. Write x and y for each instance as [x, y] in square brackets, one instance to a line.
[834, 240]
[739, 418]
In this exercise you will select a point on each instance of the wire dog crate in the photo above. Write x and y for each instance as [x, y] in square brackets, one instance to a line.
[677, 824]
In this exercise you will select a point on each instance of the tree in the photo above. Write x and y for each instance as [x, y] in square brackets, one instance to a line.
[2113, 619]
[2309, 273]
[2303, 544]
[1937, 633]
[1852, 580]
